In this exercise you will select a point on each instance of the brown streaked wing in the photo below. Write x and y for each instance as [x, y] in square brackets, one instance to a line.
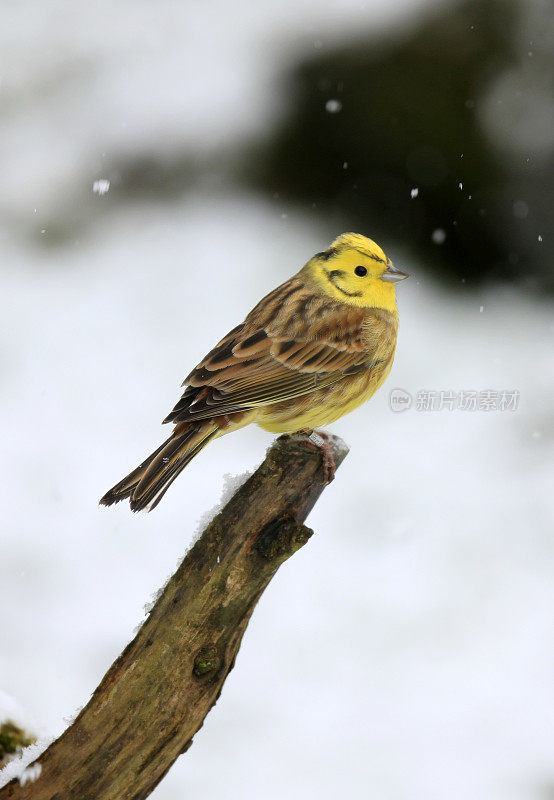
[291, 344]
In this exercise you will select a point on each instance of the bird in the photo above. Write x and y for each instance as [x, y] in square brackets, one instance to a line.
[312, 350]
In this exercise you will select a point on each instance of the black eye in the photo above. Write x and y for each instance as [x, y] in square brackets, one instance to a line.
[361, 271]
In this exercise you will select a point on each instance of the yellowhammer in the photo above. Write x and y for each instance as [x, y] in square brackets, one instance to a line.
[312, 350]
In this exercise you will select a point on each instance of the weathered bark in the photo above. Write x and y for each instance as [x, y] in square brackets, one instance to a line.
[155, 696]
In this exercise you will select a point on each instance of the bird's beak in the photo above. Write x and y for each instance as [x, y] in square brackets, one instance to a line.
[392, 274]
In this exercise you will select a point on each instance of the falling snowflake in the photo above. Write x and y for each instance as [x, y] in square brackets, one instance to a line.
[333, 106]
[101, 186]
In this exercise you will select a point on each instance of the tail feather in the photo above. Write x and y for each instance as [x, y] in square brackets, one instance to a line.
[146, 485]
[124, 489]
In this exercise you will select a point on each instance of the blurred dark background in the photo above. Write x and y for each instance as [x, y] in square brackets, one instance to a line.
[441, 137]
[436, 132]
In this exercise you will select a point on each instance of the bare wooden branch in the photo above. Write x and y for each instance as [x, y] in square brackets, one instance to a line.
[155, 696]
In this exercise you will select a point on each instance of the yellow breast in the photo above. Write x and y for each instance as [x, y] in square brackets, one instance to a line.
[324, 406]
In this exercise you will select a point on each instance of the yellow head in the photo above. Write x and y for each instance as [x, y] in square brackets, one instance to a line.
[355, 270]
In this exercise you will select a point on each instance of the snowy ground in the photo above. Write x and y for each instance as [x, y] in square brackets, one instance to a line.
[407, 650]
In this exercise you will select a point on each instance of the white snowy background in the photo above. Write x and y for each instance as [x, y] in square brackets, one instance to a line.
[407, 651]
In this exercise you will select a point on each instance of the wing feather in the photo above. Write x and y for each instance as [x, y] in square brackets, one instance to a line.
[291, 344]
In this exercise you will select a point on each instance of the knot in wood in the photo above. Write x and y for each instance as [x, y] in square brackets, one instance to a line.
[281, 538]
[207, 661]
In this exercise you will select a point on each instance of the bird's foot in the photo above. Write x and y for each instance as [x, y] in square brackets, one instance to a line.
[317, 440]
